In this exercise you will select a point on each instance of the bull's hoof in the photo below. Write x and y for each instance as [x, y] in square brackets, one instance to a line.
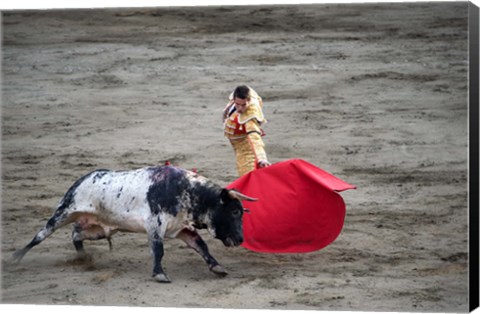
[162, 278]
[219, 271]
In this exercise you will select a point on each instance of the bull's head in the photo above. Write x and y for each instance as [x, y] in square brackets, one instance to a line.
[226, 223]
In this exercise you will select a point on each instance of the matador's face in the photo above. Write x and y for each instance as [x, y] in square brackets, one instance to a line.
[240, 104]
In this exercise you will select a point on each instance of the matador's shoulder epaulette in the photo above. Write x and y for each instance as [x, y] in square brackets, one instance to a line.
[254, 111]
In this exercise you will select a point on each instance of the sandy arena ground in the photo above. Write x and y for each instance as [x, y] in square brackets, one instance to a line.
[375, 94]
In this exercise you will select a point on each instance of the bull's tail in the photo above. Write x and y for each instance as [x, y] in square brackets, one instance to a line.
[59, 219]
[39, 237]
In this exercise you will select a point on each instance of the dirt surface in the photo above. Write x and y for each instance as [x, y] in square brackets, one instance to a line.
[375, 94]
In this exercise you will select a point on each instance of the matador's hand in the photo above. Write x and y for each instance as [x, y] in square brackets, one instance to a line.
[263, 164]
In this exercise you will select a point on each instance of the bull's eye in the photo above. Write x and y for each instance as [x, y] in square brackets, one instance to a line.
[236, 213]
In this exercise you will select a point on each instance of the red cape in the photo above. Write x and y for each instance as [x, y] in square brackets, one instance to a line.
[299, 209]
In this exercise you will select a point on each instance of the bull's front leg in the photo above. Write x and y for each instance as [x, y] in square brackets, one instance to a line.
[193, 240]
[156, 245]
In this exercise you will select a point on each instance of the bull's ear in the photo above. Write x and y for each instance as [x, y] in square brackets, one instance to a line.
[241, 197]
[224, 197]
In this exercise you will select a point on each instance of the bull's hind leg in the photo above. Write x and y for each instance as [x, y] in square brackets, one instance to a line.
[60, 218]
[92, 232]
[77, 239]
[193, 240]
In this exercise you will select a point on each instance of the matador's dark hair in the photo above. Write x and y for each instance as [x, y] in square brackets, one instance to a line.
[242, 92]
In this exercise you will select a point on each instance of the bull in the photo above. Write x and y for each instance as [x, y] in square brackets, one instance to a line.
[163, 202]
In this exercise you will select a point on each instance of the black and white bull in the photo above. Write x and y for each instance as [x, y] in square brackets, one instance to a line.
[163, 202]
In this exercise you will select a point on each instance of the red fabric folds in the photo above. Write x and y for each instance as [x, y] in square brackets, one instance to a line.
[298, 211]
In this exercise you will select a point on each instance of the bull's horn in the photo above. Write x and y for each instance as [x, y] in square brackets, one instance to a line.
[239, 196]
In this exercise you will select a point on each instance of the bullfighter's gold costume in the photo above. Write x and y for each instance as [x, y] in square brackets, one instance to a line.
[244, 132]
